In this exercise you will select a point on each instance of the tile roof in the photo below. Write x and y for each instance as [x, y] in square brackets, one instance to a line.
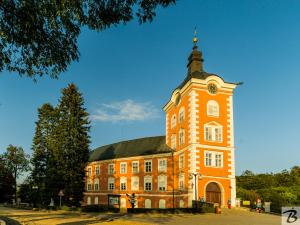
[130, 148]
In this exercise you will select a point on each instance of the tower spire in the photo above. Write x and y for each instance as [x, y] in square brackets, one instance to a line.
[195, 39]
[195, 59]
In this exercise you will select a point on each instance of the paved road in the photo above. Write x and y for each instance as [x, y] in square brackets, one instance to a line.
[228, 217]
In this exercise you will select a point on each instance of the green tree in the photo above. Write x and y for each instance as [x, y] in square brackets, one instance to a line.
[40, 37]
[73, 138]
[7, 183]
[17, 162]
[43, 156]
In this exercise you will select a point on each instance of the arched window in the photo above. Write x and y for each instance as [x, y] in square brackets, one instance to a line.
[181, 115]
[147, 203]
[89, 200]
[173, 121]
[173, 141]
[96, 184]
[212, 108]
[181, 204]
[181, 136]
[162, 204]
[96, 201]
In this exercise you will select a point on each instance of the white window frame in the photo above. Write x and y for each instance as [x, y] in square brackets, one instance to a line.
[213, 133]
[173, 141]
[96, 182]
[181, 161]
[133, 180]
[181, 181]
[89, 185]
[111, 180]
[97, 170]
[213, 108]
[173, 121]
[208, 158]
[162, 183]
[89, 171]
[213, 159]
[123, 180]
[164, 166]
[125, 168]
[146, 167]
[138, 164]
[109, 168]
[181, 115]
[181, 136]
[148, 179]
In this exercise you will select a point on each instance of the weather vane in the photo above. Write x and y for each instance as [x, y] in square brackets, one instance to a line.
[195, 39]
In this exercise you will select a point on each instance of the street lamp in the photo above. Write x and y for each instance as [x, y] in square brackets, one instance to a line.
[195, 175]
[35, 188]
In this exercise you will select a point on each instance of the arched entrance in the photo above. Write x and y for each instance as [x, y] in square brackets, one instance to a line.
[213, 193]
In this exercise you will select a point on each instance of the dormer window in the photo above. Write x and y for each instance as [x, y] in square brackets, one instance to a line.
[212, 108]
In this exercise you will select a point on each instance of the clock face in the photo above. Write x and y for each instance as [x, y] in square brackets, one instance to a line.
[212, 88]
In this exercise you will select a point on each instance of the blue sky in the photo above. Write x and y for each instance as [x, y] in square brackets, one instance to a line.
[128, 72]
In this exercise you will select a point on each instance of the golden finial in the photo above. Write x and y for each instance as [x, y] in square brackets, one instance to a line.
[195, 39]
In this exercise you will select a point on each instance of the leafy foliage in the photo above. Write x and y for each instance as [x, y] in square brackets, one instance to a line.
[282, 189]
[40, 37]
[7, 182]
[16, 162]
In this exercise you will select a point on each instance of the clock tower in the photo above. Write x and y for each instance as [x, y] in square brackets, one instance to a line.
[200, 130]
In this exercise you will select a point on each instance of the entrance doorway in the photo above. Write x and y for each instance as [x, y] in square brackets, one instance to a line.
[213, 193]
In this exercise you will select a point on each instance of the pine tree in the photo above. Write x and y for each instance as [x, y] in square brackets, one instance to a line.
[73, 138]
[43, 153]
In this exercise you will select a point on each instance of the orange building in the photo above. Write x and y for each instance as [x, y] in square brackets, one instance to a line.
[196, 158]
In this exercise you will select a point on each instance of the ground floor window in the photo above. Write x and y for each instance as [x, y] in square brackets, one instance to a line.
[162, 204]
[147, 203]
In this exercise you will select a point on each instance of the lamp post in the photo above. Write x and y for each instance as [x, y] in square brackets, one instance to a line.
[195, 175]
[35, 188]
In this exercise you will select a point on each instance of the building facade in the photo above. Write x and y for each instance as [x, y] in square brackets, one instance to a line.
[195, 160]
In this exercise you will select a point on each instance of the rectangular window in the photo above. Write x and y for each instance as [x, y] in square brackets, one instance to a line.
[181, 161]
[218, 134]
[89, 171]
[89, 187]
[135, 167]
[123, 183]
[162, 165]
[111, 183]
[208, 159]
[181, 137]
[135, 183]
[148, 166]
[181, 115]
[111, 168]
[218, 160]
[173, 141]
[148, 183]
[213, 133]
[208, 134]
[213, 159]
[162, 183]
[97, 170]
[123, 167]
[181, 182]
[96, 187]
